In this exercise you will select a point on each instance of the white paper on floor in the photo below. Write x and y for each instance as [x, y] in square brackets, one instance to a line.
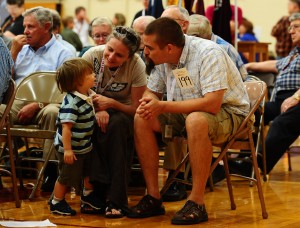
[26, 223]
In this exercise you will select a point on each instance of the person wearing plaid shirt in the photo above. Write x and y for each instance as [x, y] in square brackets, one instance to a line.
[280, 31]
[284, 109]
[205, 96]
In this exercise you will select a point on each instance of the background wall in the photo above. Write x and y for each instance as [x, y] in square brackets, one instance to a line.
[262, 13]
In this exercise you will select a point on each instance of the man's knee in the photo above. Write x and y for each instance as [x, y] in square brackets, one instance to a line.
[196, 121]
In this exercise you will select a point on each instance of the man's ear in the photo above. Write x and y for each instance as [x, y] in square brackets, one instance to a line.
[170, 48]
[47, 26]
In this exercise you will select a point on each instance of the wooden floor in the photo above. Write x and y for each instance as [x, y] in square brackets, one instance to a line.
[281, 195]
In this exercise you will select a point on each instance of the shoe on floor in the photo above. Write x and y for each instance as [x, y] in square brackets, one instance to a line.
[93, 200]
[190, 213]
[87, 209]
[112, 211]
[176, 192]
[147, 207]
[62, 208]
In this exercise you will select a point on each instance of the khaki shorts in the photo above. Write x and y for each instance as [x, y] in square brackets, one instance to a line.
[221, 126]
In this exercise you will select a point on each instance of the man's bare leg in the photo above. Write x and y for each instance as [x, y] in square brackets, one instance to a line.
[147, 150]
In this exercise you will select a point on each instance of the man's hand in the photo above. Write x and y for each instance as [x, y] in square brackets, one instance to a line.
[69, 157]
[288, 103]
[149, 108]
[27, 113]
[102, 118]
[18, 42]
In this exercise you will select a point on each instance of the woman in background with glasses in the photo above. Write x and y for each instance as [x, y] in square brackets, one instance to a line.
[120, 83]
[100, 29]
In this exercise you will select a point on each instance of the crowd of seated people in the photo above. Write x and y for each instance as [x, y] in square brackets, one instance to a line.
[130, 71]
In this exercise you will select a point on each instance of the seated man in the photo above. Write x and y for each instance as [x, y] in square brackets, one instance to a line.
[205, 97]
[37, 50]
[284, 109]
[6, 65]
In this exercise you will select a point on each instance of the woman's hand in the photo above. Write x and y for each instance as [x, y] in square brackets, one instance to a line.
[102, 118]
[102, 103]
[69, 157]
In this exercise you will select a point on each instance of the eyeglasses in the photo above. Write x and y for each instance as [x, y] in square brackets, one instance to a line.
[99, 36]
[295, 26]
[128, 34]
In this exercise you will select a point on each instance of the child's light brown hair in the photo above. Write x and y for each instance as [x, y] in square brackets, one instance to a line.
[71, 74]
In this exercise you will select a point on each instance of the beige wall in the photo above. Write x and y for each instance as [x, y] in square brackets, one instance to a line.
[263, 13]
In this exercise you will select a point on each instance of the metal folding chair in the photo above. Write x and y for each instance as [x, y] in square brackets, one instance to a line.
[5, 126]
[37, 87]
[241, 140]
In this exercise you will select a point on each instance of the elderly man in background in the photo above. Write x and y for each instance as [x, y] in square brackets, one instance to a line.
[139, 25]
[179, 14]
[200, 27]
[37, 50]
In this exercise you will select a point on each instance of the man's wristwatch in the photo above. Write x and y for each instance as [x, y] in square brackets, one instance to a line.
[41, 105]
[296, 96]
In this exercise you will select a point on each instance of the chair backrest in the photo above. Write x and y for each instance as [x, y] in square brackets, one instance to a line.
[8, 99]
[40, 87]
[256, 91]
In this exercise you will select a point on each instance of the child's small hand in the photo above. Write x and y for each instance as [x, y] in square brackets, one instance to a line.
[69, 157]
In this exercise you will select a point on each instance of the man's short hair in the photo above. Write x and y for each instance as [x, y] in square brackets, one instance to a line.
[19, 3]
[56, 19]
[167, 31]
[41, 14]
[199, 26]
[294, 16]
[78, 9]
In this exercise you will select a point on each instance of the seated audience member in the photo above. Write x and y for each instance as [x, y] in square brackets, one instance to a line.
[69, 35]
[284, 110]
[81, 25]
[215, 98]
[179, 14]
[246, 34]
[120, 82]
[7, 40]
[280, 31]
[6, 65]
[56, 32]
[100, 29]
[13, 24]
[3, 11]
[200, 27]
[139, 25]
[37, 50]
[143, 12]
[119, 19]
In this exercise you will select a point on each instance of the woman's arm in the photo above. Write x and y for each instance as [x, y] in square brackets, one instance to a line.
[103, 103]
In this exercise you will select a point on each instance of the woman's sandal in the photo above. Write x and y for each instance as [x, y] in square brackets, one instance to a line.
[112, 211]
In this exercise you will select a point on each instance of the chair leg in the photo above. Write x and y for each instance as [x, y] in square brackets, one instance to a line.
[173, 176]
[41, 174]
[13, 168]
[258, 180]
[289, 160]
[229, 185]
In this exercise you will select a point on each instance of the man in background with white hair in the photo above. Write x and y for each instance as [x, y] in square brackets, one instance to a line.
[200, 27]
